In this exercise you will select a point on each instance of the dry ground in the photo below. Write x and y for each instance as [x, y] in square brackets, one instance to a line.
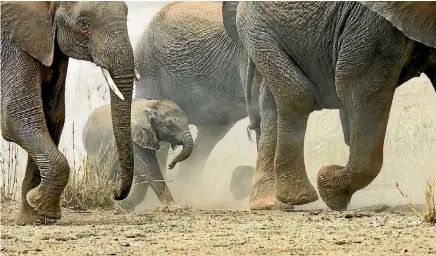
[378, 230]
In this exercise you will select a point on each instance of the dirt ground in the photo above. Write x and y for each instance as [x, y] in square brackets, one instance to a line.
[378, 230]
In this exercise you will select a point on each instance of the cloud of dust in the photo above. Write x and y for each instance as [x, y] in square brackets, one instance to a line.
[410, 144]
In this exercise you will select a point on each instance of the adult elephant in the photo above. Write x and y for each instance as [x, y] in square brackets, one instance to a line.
[152, 122]
[186, 56]
[316, 55]
[37, 39]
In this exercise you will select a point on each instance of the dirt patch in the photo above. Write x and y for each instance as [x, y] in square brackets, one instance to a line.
[379, 230]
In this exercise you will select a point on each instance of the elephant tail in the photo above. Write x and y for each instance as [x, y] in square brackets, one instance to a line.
[229, 19]
[248, 95]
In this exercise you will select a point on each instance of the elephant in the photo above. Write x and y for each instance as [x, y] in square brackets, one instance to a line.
[328, 55]
[152, 122]
[184, 55]
[240, 182]
[37, 40]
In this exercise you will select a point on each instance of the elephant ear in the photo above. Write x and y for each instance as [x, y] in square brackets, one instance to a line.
[143, 131]
[30, 25]
[415, 19]
[229, 19]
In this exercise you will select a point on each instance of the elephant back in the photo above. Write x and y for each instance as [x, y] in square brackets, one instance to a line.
[98, 132]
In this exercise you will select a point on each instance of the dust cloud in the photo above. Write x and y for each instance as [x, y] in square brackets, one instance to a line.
[410, 144]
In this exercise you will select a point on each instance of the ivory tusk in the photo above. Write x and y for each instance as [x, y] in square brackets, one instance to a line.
[111, 83]
[137, 76]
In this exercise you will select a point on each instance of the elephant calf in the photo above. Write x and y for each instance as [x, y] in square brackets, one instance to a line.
[152, 122]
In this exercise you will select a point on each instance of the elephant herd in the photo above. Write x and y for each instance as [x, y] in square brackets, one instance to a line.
[210, 64]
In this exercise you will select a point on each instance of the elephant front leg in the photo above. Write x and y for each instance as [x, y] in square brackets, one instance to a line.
[345, 125]
[137, 194]
[157, 181]
[367, 101]
[47, 169]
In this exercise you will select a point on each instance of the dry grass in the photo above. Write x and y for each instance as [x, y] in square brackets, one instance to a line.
[90, 186]
[9, 172]
[430, 193]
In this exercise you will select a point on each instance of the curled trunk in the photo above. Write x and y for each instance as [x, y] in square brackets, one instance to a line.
[188, 145]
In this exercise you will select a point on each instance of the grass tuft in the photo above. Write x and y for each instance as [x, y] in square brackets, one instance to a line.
[430, 215]
[90, 186]
[9, 172]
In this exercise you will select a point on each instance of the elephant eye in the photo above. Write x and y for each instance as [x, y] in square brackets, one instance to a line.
[83, 24]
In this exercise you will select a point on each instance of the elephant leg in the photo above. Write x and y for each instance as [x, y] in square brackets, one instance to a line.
[292, 93]
[162, 156]
[367, 100]
[345, 125]
[207, 138]
[262, 195]
[137, 194]
[40, 194]
[158, 182]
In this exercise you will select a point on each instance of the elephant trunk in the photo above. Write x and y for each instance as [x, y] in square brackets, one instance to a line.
[188, 145]
[118, 69]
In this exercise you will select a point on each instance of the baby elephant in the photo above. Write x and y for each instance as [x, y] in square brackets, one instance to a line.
[152, 122]
[240, 183]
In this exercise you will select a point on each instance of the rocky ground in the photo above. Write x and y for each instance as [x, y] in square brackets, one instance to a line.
[378, 230]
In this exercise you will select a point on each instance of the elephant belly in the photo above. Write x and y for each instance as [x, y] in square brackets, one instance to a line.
[307, 35]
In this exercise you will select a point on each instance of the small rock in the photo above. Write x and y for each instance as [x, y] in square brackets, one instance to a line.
[414, 223]
[317, 212]
[125, 244]
[38, 250]
[134, 233]
[377, 222]
[404, 250]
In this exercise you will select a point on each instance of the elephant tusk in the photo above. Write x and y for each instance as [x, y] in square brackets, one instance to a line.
[137, 76]
[111, 83]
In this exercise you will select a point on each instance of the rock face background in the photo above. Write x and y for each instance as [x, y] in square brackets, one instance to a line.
[410, 145]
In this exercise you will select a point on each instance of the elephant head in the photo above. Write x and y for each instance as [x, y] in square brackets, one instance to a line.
[90, 31]
[165, 122]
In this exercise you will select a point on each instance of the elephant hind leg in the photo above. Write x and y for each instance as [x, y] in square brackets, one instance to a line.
[294, 101]
[262, 196]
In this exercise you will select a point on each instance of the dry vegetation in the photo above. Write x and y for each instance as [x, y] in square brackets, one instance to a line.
[9, 172]
[89, 187]
[429, 214]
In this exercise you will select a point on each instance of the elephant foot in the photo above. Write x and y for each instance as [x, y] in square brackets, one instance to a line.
[298, 193]
[266, 201]
[262, 204]
[45, 203]
[334, 187]
[168, 207]
[31, 217]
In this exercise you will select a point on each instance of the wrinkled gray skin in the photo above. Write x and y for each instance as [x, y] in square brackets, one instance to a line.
[152, 122]
[316, 55]
[240, 182]
[37, 39]
[185, 55]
